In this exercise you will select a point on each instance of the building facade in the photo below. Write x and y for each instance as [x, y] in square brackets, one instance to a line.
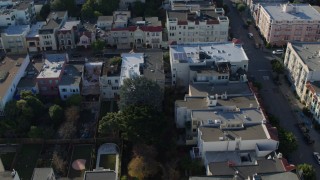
[199, 26]
[32, 39]
[14, 39]
[288, 22]
[67, 35]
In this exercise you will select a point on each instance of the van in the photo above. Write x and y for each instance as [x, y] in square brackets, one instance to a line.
[278, 51]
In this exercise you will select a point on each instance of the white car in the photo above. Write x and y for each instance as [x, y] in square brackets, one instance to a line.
[317, 157]
[278, 51]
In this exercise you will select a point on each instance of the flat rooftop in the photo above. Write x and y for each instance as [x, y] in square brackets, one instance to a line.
[32, 72]
[41, 173]
[100, 175]
[296, 12]
[239, 101]
[212, 51]
[52, 66]
[309, 53]
[9, 67]
[72, 75]
[153, 67]
[34, 30]
[17, 30]
[131, 66]
[255, 132]
[69, 25]
[244, 116]
[192, 103]
[231, 89]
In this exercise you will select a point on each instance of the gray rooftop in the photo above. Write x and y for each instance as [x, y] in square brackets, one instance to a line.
[17, 30]
[29, 80]
[34, 30]
[72, 75]
[213, 51]
[69, 25]
[100, 175]
[105, 18]
[232, 89]
[263, 166]
[296, 12]
[309, 52]
[244, 116]
[256, 132]
[239, 101]
[41, 173]
[192, 103]
[153, 67]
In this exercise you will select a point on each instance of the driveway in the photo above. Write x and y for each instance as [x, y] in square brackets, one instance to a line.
[273, 99]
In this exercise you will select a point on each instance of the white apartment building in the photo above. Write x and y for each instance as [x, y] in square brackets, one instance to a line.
[218, 62]
[280, 24]
[12, 69]
[70, 82]
[198, 26]
[32, 38]
[47, 34]
[14, 39]
[105, 22]
[302, 64]
[110, 80]
[16, 12]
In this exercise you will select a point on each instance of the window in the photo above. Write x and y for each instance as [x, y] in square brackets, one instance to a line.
[64, 90]
[109, 81]
[219, 77]
[50, 81]
[65, 96]
[116, 81]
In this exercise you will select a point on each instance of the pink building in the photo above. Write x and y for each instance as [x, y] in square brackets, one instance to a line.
[288, 22]
[51, 73]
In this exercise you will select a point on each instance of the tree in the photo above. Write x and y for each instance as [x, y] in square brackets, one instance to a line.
[56, 114]
[106, 7]
[241, 7]
[87, 10]
[72, 114]
[308, 171]
[35, 132]
[110, 124]
[11, 111]
[66, 5]
[116, 61]
[139, 91]
[288, 142]
[59, 164]
[138, 8]
[24, 94]
[98, 45]
[74, 100]
[142, 167]
[97, 14]
[44, 12]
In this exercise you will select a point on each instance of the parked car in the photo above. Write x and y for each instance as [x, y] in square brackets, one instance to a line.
[75, 55]
[250, 35]
[317, 157]
[278, 51]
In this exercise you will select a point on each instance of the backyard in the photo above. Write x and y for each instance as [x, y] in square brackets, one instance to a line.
[108, 161]
[26, 160]
[80, 160]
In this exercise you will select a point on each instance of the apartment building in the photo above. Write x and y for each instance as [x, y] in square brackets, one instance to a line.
[313, 99]
[302, 64]
[14, 39]
[70, 81]
[105, 22]
[86, 38]
[51, 73]
[280, 24]
[110, 80]
[207, 62]
[67, 35]
[16, 12]
[196, 26]
[32, 38]
[146, 33]
[12, 69]
[47, 34]
[121, 18]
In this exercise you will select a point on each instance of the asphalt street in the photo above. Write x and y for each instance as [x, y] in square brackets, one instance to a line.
[277, 100]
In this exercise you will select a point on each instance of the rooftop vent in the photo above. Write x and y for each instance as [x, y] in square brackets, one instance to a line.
[221, 138]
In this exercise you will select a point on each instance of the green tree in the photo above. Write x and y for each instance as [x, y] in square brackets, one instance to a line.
[193, 167]
[74, 100]
[288, 142]
[11, 111]
[138, 8]
[66, 5]
[98, 45]
[24, 94]
[110, 124]
[106, 7]
[56, 114]
[241, 7]
[35, 104]
[97, 14]
[308, 171]
[44, 12]
[35, 132]
[139, 91]
[87, 10]
[116, 61]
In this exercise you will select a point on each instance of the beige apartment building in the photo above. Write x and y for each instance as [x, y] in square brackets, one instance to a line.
[281, 23]
[199, 26]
